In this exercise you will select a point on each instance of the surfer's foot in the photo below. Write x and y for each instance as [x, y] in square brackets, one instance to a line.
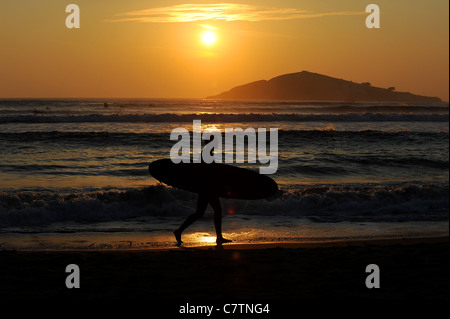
[222, 240]
[177, 234]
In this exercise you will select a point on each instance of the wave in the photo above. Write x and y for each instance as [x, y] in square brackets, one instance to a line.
[161, 140]
[226, 118]
[88, 135]
[318, 203]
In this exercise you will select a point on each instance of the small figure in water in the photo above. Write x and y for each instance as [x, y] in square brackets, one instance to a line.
[202, 202]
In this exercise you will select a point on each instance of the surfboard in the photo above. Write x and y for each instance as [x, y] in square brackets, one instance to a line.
[214, 179]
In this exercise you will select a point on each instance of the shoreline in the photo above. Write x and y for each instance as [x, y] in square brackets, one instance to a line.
[142, 242]
[404, 241]
[315, 244]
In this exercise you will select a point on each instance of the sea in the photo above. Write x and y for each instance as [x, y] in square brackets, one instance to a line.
[74, 173]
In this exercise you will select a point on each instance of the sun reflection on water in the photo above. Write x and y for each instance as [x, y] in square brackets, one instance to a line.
[208, 239]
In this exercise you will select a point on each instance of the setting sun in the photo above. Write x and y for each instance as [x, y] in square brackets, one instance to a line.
[208, 38]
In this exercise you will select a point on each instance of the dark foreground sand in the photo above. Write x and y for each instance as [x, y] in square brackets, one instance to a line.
[286, 274]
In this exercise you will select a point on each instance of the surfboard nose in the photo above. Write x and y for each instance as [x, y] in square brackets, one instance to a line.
[151, 168]
[273, 188]
[156, 166]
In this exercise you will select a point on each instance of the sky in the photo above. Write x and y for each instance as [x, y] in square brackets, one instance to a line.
[156, 49]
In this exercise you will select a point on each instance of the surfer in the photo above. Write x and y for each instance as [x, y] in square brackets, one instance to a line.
[202, 202]
[212, 181]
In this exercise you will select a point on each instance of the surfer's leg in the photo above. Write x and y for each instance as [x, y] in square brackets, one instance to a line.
[202, 203]
[215, 204]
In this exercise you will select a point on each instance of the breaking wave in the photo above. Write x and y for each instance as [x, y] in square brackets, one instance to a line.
[318, 203]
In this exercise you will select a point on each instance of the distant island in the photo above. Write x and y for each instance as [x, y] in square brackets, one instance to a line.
[307, 86]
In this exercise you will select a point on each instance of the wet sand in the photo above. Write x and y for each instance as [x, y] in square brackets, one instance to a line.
[410, 269]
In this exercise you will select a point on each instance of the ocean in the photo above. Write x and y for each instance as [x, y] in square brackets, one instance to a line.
[74, 172]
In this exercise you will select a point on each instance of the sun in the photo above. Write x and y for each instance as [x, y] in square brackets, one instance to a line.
[209, 38]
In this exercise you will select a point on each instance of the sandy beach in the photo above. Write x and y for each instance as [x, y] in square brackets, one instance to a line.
[410, 269]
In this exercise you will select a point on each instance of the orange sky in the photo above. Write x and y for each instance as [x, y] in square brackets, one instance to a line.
[155, 48]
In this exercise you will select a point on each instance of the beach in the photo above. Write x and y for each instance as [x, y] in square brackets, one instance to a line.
[281, 274]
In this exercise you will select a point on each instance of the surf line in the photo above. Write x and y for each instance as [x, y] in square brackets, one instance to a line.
[212, 151]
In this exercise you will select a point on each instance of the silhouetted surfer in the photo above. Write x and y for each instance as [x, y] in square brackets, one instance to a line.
[202, 202]
[210, 182]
